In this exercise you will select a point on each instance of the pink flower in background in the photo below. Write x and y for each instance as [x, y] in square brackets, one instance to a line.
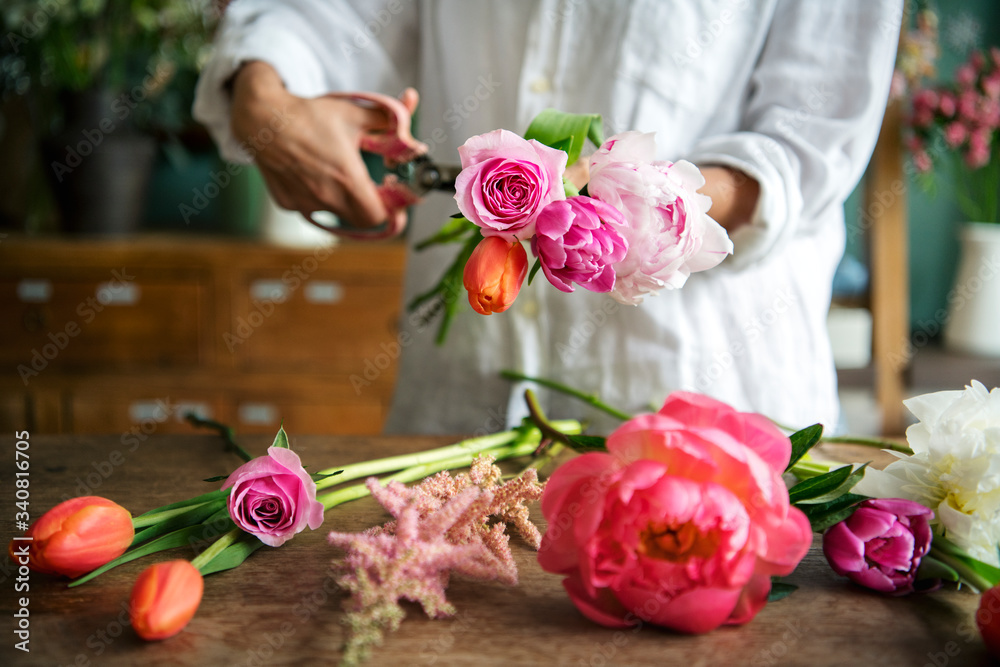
[948, 105]
[965, 75]
[968, 104]
[991, 85]
[668, 231]
[881, 545]
[922, 161]
[955, 134]
[273, 497]
[578, 241]
[505, 181]
[925, 103]
[978, 154]
[682, 523]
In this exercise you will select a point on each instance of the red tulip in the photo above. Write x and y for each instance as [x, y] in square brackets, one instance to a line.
[164, 599]
[77, 536]
[494, 273]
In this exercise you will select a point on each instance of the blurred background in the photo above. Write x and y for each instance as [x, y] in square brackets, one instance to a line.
[143, 278]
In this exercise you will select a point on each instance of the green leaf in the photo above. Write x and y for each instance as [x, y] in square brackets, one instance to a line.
[565, 131]
[803, 441]
[534, 269]
[849, 483]
[821, 521]
[197, 500]
[178, 538]
[588, 443]
[819, 485]
[217, 478]
[569, 188]
[779, 590]
[452, 231]
[281, 439]
[195, 516]
[845, 501]
[932, 568]
[233, 555]
[317, 476]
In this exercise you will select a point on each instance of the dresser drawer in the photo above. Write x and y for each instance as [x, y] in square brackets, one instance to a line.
[136, 414]
[93, 322]
[306, 418]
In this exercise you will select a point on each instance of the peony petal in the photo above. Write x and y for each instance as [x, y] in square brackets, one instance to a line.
[843, 550]
[868, 523]
[694, 611]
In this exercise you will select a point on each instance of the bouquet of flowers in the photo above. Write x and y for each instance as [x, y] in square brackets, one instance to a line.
[638, 226]
[960, 119]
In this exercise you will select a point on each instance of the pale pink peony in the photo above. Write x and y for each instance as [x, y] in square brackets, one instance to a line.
[668, 231]
[273, 497]
[681, 524]
[505, 181]
[578, 241]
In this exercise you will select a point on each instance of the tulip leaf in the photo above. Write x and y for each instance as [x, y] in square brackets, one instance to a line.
[803, 441]
[194, 516]
[842, 502]
[317, 476]
[819, 522]
[233, 555]
[444, 296]
[281, 439]
[178, 538]
[534, 269]
[846, 485]
[819, 485]
[566, 131]
[217, 478]
[587, 443]
[779, 590]
[569, 188]
[198, 500]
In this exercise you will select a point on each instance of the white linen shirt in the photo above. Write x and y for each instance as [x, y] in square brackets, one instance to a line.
[789, 91]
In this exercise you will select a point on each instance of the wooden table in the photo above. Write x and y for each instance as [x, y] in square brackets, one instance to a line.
[282, 608]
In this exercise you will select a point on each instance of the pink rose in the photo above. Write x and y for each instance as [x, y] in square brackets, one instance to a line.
[273, 497]
[881, 545]
[505, 181]
[682, 523]
[955, 134]
[668, 231]
[578, 241]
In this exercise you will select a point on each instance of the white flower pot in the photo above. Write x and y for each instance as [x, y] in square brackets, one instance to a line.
[974, 302]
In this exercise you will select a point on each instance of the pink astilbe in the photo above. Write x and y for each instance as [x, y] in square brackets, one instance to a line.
[440, 526]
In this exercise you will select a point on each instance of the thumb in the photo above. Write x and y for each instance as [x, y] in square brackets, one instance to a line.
[410, 99]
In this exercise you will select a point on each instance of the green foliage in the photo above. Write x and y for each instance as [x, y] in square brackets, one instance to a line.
[803, 441]
[566, 131]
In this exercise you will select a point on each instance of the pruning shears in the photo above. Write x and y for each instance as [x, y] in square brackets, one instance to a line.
[411, 174]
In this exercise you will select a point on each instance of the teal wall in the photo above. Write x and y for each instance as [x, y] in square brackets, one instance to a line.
[934, 219]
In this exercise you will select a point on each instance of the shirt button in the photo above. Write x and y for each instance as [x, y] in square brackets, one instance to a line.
[541, 85]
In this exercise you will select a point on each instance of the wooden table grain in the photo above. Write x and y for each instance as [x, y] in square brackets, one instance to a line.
[281, 607]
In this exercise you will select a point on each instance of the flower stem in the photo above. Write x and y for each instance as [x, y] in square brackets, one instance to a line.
[808, 469]
[468, 448]
[209, 554]
[968, 575]
[152, 518]
[867, 442]
[422, 470]
[226, 432]
[589, 399]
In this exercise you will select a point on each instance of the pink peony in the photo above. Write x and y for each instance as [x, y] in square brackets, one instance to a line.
[577, 241]
[273, 497]
[668, 231]
[506, 181]
[682, 523]
[881, 545]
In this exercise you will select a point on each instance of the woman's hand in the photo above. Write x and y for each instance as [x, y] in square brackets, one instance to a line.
[312, 163]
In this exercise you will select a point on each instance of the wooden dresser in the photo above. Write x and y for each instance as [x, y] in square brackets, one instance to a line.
[126, 336]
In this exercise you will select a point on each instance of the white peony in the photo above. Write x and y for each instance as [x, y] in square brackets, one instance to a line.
[954, 469]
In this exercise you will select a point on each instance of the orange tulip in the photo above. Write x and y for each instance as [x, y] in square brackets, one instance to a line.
[164, 599]
[494, 273]
[77, 536]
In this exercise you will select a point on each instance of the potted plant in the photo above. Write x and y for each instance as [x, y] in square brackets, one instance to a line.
[94, 73]
[955, 124]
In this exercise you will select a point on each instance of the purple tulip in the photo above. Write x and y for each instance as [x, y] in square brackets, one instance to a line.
[578, 241]
[880, 546]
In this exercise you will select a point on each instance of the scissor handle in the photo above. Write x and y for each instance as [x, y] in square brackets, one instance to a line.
[397, 146]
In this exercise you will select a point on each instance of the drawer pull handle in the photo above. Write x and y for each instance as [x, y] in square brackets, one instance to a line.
[324, 291]
[117, 293]
[268, 290]
[34, 291]
[258, 413]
